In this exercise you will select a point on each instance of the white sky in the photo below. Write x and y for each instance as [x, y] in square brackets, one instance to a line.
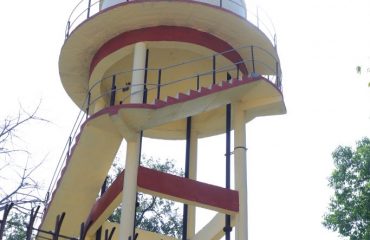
[320, 43]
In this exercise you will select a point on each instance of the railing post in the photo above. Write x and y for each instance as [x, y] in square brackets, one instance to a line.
[275, 41]
[83, 230]
[159, 84]
[88, 9]
[145, 94]
[108, 236]
[88, 104]
[198, 83]
[32, 221]
[278, 83]
[237, 71]
[252, 52]
[214, 69]
[68, 28]
[113, 91]
[69, 146]
[58, 226]
[220, 3]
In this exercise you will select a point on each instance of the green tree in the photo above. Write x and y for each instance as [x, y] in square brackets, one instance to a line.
[153, 213]
[15, 228]
[349, 208]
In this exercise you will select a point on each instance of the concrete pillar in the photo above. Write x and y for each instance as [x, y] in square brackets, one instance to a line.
[130, 188]
[192, 175]
[240, 172]
[133, 148]
[137, 83]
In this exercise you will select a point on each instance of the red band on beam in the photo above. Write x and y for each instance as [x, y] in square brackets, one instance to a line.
[168, 33]
[170, 185]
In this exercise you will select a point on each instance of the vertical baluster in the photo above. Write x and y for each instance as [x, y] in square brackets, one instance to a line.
[88, 104]
[69, 146]
[113, 91]
[145, 94]
[237, 71]
[278, 83]
[159, 84]
[68, 28]
[252, 52]
[214, 69]
[88, 8]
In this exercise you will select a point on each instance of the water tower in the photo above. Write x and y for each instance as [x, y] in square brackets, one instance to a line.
[161, 69]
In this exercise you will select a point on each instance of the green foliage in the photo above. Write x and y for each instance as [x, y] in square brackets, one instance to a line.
[153, 213]
[349, 208]
[15, 228]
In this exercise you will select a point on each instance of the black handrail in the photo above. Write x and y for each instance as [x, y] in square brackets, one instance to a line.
[79, 14]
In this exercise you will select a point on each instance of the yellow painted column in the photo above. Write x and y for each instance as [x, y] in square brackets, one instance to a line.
[240, 172]
[192, 175]
[130, 188]
[137, 83]
[133, 148]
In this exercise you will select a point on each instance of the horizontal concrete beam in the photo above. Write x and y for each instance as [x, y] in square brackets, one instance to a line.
[167, 186]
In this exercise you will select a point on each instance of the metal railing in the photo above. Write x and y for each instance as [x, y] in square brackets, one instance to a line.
[88, 8]
[118, 90]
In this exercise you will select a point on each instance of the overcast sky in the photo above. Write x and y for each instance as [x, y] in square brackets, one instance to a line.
[320, 43]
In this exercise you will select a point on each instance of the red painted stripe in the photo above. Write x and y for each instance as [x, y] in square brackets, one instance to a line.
[167, 33]
[171, 185]
[188, 189]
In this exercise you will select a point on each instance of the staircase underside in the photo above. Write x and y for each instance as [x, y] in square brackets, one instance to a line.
[101, 135]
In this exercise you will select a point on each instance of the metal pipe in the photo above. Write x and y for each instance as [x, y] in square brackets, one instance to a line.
[69, 146]
[113, 91]
[214, 69]
[139, 160]
[88, 9]
[253, 67]
[278, 83]
[187, 169]
[88, 104]
[237, 71]
[159, 84]
[145, 95]
[228, 228]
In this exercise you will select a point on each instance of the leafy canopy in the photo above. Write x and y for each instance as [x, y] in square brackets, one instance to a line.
[15, 227]
[349, 208]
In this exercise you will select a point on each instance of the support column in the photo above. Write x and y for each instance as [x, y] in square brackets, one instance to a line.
[240, 172]
[193, 176]
[127, 221]
[130, 188]
[137, 83]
